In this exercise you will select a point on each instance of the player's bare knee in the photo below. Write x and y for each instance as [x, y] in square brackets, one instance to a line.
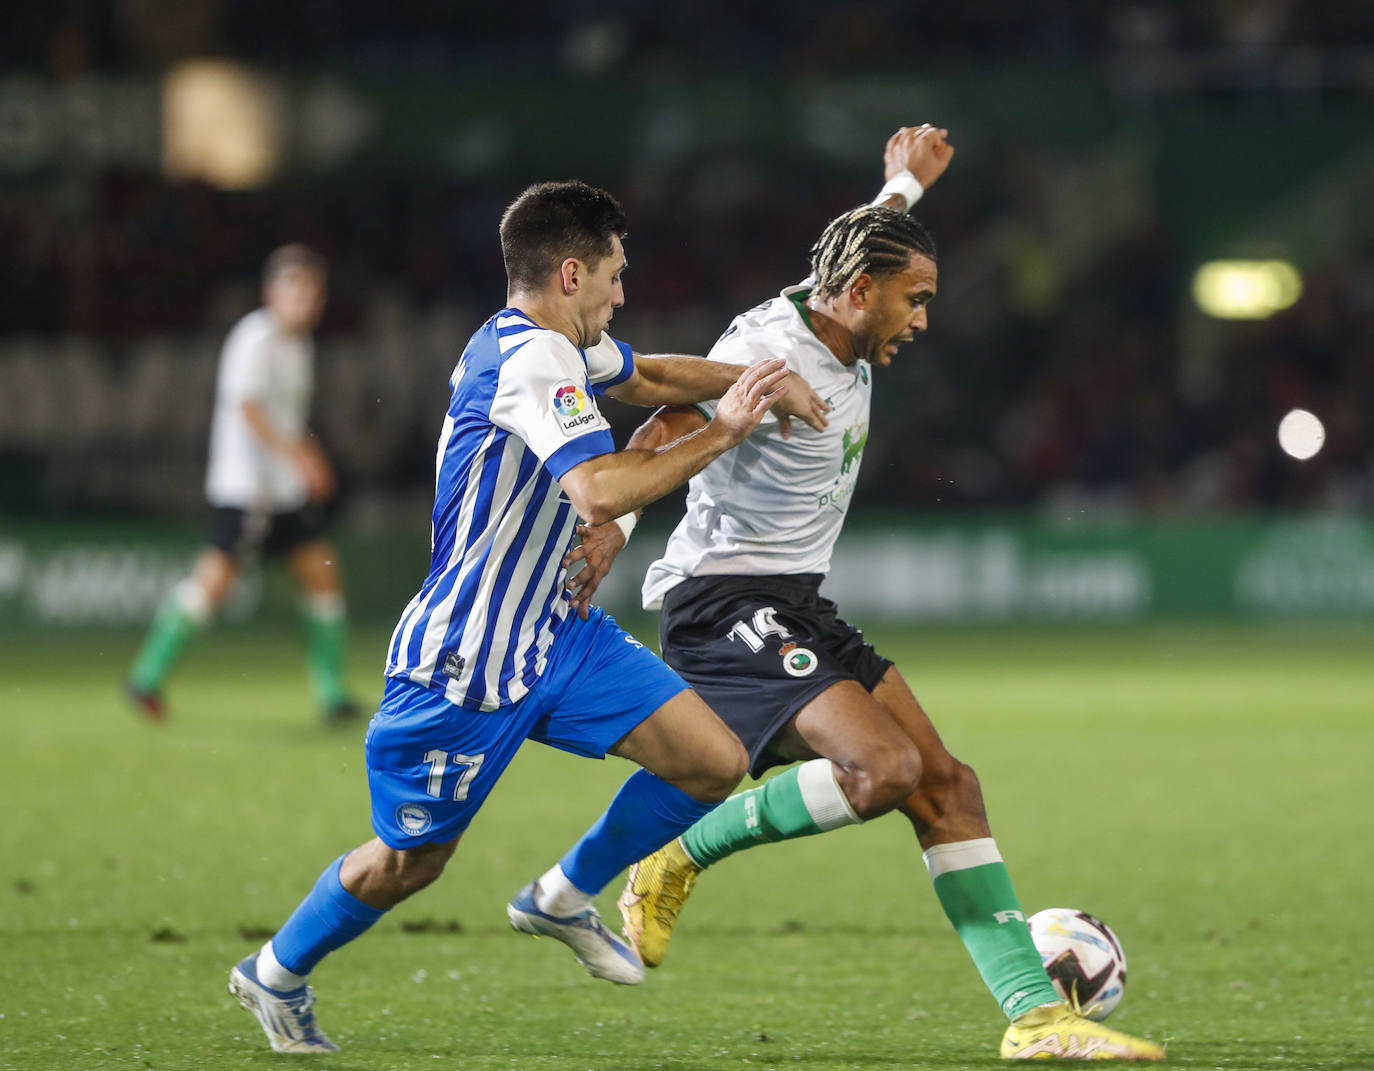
[731, 764]
[883, 782]
[723, 769]
[419, 873]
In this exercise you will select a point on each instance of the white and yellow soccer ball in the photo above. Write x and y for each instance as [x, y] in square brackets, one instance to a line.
[1083, 958]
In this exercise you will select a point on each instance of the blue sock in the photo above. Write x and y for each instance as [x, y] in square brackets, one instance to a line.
[327, 919]
[644, 816]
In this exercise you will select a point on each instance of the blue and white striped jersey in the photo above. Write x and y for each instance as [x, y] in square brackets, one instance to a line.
[522, 414]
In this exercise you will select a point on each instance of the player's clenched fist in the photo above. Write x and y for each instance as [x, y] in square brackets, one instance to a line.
[742, 407]
[922, 150]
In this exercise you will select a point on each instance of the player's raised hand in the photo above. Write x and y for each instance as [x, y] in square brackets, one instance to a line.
[759, 388]
[802, 402]
[922, 150]
[599, 545]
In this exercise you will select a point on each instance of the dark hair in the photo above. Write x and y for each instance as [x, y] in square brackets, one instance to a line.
[552, 221]
[873, 239]
[295, 255]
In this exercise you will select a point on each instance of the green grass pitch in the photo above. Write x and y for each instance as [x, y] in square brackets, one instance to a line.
[1206, 789]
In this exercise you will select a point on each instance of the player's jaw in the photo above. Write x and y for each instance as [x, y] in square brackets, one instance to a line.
[888, 350]
[603, 294]
[898, 311]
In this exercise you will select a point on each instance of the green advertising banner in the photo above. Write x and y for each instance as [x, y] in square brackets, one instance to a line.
[912, 569]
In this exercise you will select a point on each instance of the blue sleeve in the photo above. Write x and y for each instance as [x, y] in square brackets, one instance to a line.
[581, 449]
[626, 371]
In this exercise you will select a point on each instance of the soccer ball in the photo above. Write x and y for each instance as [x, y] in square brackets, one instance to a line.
[1083, 958]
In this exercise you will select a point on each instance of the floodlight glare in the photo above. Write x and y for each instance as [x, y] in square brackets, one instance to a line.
[1246, 289]
[1301, 434]
[220, 124]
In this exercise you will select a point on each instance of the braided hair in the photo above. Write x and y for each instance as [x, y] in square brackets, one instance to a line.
[873, 239]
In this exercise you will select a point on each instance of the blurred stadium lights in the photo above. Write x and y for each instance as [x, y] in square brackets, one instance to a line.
[1246, 289]
[220, 123]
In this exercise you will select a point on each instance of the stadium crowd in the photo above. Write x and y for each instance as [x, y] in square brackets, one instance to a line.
[1059, 372]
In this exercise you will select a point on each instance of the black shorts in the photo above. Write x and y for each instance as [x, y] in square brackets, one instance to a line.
[759, 648]
[245, 532]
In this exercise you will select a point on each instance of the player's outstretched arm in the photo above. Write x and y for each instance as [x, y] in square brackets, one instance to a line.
[661, 379]
[612, 485]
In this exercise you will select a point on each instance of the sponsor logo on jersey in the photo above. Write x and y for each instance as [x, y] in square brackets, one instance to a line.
[413, 818]
[855, 439]
[799, 662]
[571, 407]
[853, 443]
[454, 663]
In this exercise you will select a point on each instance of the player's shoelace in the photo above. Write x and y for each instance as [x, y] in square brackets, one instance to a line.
[302, 1012]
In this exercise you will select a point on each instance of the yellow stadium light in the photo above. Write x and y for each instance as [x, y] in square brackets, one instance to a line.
[220, 124]
[1246, 289]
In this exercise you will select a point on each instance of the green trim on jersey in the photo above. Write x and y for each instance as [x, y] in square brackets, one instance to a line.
[799, 299]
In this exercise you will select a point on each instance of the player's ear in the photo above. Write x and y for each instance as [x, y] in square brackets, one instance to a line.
[861, 291]
[570, 275]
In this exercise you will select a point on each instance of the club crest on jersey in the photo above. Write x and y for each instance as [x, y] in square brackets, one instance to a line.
[797, 661]
[413, 818]
[571, 407]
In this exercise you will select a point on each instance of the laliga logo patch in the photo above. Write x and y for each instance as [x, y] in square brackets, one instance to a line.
[571, 407]
[568, 400]
[413, 818]
[797, 661]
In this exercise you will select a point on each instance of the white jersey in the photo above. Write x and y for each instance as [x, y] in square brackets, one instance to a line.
[522, 413]
[265, 364]
[770, 505]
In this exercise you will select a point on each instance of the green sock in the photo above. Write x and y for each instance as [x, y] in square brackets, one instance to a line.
[176, 622]
[326, 628]
[976, 892]
[799, 802]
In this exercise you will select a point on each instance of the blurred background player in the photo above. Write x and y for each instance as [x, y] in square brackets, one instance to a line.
[744, 622]
[267, 481]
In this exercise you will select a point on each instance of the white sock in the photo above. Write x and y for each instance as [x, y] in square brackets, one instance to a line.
[555, 895]
[323, 605]
[273, 975]
[193, 600]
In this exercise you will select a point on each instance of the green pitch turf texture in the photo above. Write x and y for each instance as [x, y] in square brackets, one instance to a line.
[1206, 789]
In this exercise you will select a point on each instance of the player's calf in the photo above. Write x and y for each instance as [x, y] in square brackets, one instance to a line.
[947, 805]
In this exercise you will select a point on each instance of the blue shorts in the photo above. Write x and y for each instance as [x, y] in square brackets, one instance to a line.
[431, 763]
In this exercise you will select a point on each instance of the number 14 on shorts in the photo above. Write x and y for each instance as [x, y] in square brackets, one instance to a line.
[442, 764]
[765, 624]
